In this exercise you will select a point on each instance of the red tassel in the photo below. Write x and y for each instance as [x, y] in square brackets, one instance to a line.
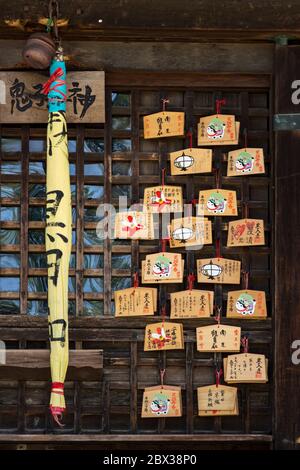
[54, 78]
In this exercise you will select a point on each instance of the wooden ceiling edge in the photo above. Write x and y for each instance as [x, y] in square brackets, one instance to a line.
[158, 34]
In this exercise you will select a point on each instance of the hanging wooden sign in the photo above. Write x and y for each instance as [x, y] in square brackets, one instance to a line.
[217, 400]
[245, 368]
[135, 301]
[246, 304]
[217, 202]
[160, 199]
[217, 137]
[217, 127]
[218, 338]
[163, 266]
[134, 225]
[24, 103]
[190, 304]
[219, 270]
[163, 124]
[162, 280]
[246, 232]
[190, 231]
[163, 336]
[246, 161]
[162, 401]
[191, 161]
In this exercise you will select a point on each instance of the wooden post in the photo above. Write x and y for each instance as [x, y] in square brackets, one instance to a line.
[287, 230]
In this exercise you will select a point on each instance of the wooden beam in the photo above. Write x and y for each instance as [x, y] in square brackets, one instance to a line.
[35, 363]
[170, 15]
[94, 438]
[152, 56]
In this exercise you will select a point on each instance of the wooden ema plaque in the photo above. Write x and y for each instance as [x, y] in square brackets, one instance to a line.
[190, 231]
[163, 336]
[135, 301]
[162, 401]
[217, 400]
[163, 280]
[219, 271]
[217, 202]
[191, 161]
[218, 338]
[218, 127]
[246, 232]
[246, 161]
[134, 225]
[245, 368]
[203, 139]
[246, 304]
[163, 124]
[191, 304]
[163, 266]
[162, 199]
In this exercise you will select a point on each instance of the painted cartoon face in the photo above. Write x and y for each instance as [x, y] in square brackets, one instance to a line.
[216, 129]
[245, 304]
[216, 203]
[162, 267]
[160, 404]
[244, 162]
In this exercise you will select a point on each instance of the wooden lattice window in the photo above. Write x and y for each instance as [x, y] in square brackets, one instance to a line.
[107, 162]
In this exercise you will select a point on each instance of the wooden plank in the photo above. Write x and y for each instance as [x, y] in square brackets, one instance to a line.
[35, 365]
[186, 79]
[287, 281]
[135, 438]
[85, 97]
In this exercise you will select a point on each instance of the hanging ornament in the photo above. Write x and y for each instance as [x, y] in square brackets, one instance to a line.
[190, 231]
[219, 270]
[58, 230]
[217, 202]
[163, 267]
[217, 400]
[191, 303]
[163, 124]
[218, 338]
[134, 225]
[245, 368]
[246, 161]
[161, 199]
[246, 232]
[163, 336]
[135, 301]
[191, 160]
[162, 401]
[218, 129]
[246, 304]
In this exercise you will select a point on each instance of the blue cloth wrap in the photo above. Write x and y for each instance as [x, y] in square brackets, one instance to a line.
[54, 104]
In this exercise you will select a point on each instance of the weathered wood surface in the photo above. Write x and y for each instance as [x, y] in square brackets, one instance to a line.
[30, 364]
[137, 56]
[255, 20]
[112, 404]
[287, 280]
[134, 438]
[22, 104]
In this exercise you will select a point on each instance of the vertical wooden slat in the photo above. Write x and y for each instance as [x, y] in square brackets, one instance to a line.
[189, 392]
[133, 386]
[107, 200]
[135, 171]
[24, 221]
[79, 218]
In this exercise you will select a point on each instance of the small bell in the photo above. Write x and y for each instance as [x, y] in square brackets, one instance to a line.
[39, 50]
